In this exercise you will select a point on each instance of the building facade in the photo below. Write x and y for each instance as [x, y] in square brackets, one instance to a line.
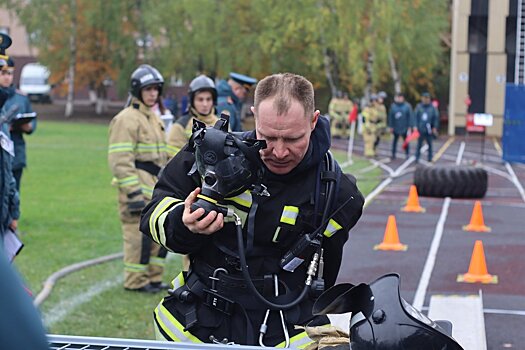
[483, 59]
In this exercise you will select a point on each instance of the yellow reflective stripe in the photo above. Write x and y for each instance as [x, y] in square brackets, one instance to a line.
[128, 181]
[159, 209]
[147, 190]
[172, 150]
[135, 267]
[155, 260]
[244, 199]
[150, 147]
[332, 228]
[298, 341]
[178, 281]
[206, 198]
[289, 215]
[172, 327]
[162, 218]
[120, 147]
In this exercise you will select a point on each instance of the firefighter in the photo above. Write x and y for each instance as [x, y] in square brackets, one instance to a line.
[214, 302]
[370, 127]
[203, 98]
[137, 151]
[381, 115]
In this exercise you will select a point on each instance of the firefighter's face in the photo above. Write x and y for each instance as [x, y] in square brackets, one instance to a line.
[150, 94]
[203, 102]
[287, 135]
[6, 77]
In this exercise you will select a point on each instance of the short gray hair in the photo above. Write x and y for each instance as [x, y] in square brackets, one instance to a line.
[286, 87]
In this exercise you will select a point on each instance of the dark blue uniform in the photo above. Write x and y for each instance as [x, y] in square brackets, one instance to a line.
[17, 134]
[427, 119]
[400, 119]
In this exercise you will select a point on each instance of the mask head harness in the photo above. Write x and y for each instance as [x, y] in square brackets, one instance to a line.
[382, 319]
[227, 165]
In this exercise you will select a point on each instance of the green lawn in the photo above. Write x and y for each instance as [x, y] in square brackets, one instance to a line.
[69, 214]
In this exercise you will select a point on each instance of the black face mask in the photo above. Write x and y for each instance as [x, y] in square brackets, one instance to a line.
[227, 165]
[381, 318]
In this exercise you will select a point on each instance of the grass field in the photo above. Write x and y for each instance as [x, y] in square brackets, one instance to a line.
[69, 214]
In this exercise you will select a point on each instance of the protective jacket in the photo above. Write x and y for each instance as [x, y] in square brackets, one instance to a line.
[180, 131]
[227, 101]
[136, 149]
[271, 225]
[426, 117]
[17, 135]
[400, 118]
[9, 200]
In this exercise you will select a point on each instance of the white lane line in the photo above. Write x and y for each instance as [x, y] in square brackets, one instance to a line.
[515, 180]
[505, 312]
[421, 290]
[62, 309]
[460, 153]
[385, 167]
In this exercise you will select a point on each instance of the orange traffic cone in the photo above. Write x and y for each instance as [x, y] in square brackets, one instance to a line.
[413, 202]
[391, 238]
[477, 224]
[477, 271]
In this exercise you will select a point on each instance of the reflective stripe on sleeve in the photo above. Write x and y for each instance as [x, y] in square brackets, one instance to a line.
[128, 181]
[147, 190]
[161, 234]
[163, 205]
[120, 147]
[332, 228]
[289, 215]
[172, 327]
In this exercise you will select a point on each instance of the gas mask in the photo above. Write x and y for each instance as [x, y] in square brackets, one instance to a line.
[382, 319]
[227, 165]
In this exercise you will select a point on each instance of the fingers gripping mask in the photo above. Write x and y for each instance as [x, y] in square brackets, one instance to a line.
[227, 165]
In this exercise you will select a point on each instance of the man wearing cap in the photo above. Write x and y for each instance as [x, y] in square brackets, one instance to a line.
[9, 200]
[400, 121]
[427, 122]
[16, 98]
[231, 95]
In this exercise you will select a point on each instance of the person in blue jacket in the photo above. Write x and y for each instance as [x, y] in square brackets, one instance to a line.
[400, 121]
[231, 95]
[427, 123]
[15, 97]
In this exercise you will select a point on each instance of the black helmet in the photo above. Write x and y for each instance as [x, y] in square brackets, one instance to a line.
[382, 319]
[202, 83]
[145, 75]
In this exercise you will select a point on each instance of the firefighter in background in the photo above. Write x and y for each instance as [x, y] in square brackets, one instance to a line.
[202, 98]
[338, 109]
[370, 119]
[427, 123]
[381, 117]
[137, 151]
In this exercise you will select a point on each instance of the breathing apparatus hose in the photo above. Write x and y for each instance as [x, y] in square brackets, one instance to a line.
[248, 279]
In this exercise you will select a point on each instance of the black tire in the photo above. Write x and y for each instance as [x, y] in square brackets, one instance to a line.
[451, 181]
